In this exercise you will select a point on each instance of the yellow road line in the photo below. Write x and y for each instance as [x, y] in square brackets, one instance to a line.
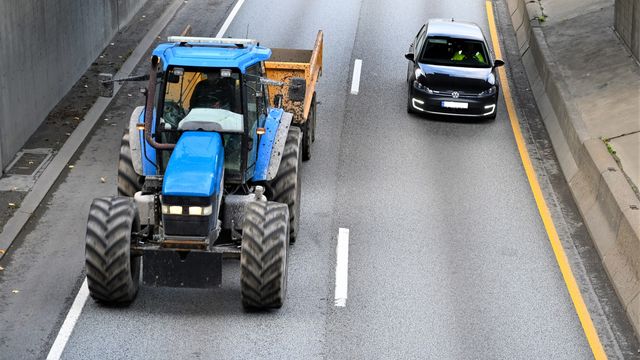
[561, 257]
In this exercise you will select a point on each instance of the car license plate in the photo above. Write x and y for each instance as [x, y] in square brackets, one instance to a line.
[455, 105]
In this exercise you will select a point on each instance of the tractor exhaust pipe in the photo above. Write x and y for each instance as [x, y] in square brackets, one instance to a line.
[148, 111]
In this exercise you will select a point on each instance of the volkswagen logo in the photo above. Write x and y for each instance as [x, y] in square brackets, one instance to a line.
[455, 94]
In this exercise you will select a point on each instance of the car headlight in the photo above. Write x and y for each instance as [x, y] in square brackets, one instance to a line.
[490, 91]
[419, 86]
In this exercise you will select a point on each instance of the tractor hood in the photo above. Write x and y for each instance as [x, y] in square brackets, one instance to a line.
[196, 165]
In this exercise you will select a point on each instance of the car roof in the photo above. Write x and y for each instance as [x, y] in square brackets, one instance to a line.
[456, 29]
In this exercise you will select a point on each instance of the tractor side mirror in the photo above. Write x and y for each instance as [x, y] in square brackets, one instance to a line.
[297, 89]
[498, 63]
[106, 84]
[409, 56]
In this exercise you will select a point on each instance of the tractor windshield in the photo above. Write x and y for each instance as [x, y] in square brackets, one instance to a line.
[208, 100]
[187, 90]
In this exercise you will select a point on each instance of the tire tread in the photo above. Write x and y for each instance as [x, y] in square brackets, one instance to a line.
[129, 182]
[263, 260]
[112, 273]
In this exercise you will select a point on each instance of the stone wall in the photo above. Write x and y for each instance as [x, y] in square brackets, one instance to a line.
[627, 24]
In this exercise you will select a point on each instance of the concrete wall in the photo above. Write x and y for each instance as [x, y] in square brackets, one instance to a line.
[627, 24]
[45, 46]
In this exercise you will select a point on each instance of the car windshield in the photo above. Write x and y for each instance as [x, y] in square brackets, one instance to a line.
[455, 52]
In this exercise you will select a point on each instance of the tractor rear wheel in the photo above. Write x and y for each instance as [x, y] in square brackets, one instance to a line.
[309, 131]
[129, 182]
[285, 187]
[112, 272]
[264, 255]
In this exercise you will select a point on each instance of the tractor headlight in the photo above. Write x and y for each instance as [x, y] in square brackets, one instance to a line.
[189, 215]
[200, 210]
[187, 210]
[171, 210]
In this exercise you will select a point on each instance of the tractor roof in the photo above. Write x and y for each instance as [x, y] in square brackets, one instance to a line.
[211, 55]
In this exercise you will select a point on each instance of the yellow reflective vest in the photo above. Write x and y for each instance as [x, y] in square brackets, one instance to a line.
[459, 56]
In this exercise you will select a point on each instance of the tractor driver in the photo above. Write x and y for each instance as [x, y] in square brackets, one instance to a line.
[214, 93]
[217, 92]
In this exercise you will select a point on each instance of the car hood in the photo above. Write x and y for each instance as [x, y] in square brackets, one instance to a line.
[438, 77]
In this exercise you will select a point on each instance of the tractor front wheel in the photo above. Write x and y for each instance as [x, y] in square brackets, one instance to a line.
[264, 255]
[112, 272]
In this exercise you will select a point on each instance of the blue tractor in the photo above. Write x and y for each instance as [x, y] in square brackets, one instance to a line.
[208, 169]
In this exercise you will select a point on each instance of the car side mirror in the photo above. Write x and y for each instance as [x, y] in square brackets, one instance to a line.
[297, 89]
[498, 63]
[106, 85]
[409, 56]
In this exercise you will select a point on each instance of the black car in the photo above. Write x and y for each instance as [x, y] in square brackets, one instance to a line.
[451, 71]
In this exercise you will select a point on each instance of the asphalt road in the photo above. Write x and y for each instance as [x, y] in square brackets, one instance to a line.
[448, 257]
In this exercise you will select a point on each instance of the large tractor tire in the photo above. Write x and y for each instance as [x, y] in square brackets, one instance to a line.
[113, 274]
[129, 182]
[309, 131]
[264, 255]
[285, 187]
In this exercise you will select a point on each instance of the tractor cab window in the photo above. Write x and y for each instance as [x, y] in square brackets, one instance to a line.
[217, 91]
[254, 88]
[206, 100]
[255, 108]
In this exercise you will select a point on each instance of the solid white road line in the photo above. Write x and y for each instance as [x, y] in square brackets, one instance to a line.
[342, 267]
[69, 323]
[355, 82]
[227, 22]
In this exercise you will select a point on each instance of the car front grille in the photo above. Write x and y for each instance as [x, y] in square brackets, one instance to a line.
[461, 94]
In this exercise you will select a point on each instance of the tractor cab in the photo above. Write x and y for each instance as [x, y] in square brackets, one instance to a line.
[212, 99]
[212, 86]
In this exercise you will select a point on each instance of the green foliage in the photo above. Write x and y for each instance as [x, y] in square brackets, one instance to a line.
[542, 17]
[610, 148]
